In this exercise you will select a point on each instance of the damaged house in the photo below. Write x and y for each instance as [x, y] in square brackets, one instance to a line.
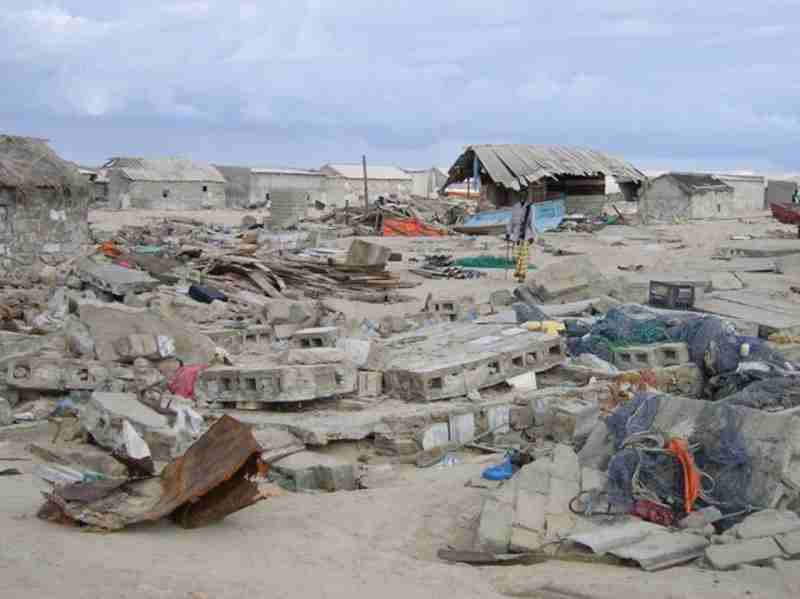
[503, 173]
[685, 196]
[345, 183]
[164, 184]
[44, 202]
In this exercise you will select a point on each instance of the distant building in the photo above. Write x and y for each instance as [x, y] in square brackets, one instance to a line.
[164, 184]
[684, 196]
[780, 190]
[345, 182]
[749, 192]
[99, 181]
[44, 203]
[426, 183]
[302, 181]
[577, 175]
[238, 185]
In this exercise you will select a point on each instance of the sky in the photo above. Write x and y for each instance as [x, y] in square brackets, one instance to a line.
[711, 85]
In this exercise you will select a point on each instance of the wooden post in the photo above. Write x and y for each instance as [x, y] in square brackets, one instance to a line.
[366, 189]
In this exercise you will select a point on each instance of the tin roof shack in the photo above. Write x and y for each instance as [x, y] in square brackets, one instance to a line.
[44, 203]
[749, 192]
[311, 183]
[577, 175]
[345, 183]
[164, 184]
[683, 196]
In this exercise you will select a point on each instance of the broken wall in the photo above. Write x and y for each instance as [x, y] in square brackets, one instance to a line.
[43, 223]
[664, 201]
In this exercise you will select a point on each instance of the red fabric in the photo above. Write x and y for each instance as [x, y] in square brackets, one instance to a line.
[183, 382]
[691, 475]
[652, 512]
[409, 227]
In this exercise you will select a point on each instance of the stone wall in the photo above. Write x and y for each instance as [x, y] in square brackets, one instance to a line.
[714, 204]
[180, 195]
[42, 224]
[664, 201]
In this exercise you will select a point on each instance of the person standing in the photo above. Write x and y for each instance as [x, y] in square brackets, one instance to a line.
[521, 230]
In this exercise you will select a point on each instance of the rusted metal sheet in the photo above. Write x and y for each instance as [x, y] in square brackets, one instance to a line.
[216, 457]
[211, 480]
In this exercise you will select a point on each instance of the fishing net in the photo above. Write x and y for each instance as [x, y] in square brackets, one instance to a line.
[488, 262]
[637, 469]
[772, 394]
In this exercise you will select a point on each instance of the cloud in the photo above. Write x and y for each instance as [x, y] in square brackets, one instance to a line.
[306, 81]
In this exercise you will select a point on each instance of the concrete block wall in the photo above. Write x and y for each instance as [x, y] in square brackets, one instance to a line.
[43, 223]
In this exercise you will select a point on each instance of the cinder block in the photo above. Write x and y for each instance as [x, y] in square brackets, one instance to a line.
[49, 374]
[462, 428]
[660, 355]
[275, 384]
[451, 359]
[317, 337]
[370, 383]
[754, 551]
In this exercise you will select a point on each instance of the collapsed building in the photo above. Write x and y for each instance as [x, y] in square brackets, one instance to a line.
[165, 184]
[44, 203]
[504, 173]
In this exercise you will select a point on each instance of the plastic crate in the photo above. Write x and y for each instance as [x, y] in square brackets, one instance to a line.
[677, 296]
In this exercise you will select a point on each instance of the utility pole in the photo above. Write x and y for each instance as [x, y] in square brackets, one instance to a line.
[366, 189]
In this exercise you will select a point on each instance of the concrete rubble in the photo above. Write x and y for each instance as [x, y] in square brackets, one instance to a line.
[312, 372]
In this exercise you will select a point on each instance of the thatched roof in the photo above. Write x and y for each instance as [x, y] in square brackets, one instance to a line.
[517, 166]
[30, 162]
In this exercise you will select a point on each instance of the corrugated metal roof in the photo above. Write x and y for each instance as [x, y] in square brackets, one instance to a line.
[516, 166]
[376, 172]
[287, 171]
[698, 182]
[166, 169]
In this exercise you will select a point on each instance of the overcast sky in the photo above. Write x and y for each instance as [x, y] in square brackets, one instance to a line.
[666, 84]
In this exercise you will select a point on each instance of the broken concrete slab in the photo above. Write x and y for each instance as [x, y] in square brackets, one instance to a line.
[462, 428]
[104, 414]
[370, 384]
[567, 413]
[450, 359]
[315, 337]
[277, 443]
[6, 413]
[362, 353]
[607, 538]
[309, 470]
[767, 523]
[389, 419]
[436, 435]
[311, 357]
[570, 279]
[44, 373]
[663, 550]
[270, 384]
[699, 519]
[114, 279]
[790, 543]
[152, 347]
[110, 322]
[760, 248]
[494, 528]
[788, 265]
[363, 253]
[753, 551]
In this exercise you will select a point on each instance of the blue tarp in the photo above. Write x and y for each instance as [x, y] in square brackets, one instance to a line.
[548, 216]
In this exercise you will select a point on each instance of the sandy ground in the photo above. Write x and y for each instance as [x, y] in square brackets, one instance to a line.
[379, 542]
